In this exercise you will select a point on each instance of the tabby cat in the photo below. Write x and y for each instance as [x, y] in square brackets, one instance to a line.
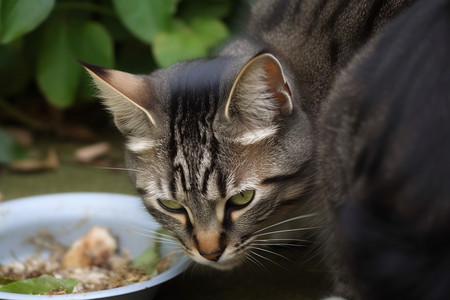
[221, 149]
[384, 160]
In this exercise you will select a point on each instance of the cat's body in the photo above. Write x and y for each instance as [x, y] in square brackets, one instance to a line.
[384, 160]
[314, 39]
[222, 148]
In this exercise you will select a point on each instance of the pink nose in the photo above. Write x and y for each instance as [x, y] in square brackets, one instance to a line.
[212, 256]
[209, 245]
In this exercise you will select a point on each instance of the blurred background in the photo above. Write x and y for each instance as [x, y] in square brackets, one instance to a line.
[53, 132]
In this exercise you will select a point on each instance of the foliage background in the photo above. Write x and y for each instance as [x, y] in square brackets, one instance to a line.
[41, 83]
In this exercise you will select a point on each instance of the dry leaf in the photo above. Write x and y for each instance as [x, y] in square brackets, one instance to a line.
[90, 153]
[22, 136]
[50, 162]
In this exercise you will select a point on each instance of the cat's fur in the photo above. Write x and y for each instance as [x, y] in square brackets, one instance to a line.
[384, 150]
[200, 132]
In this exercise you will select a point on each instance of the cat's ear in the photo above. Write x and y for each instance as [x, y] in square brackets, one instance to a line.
[129, 98]
[259, 98]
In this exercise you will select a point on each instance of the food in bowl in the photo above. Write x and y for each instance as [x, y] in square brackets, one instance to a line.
[67, 217]
[93, 262]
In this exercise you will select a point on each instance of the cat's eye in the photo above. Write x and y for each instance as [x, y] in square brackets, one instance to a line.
[242, 198]
[171, 205]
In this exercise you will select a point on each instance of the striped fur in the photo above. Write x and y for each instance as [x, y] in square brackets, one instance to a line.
[384, 148]
[200, 132]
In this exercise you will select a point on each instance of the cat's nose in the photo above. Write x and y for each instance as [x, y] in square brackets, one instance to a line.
[209, 246]
[212, 256]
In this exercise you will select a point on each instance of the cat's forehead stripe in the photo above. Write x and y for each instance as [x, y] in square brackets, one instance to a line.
[193, 144]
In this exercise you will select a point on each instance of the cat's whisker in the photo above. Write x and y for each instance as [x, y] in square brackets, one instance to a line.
[158, 233]
[288, 220]
[272, 252]
[158, 238]
[279, 244]
[155, 232]
[186, 264]
[287, 230]
[168, 241]
[116, 169]
[283, 239]
[172, 252]
[255, 261]
[155, 235]
[268, 259]
[247, 262]
[168, 236]
[191, 270]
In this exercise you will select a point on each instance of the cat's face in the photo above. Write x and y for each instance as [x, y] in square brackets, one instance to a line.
[214, 149]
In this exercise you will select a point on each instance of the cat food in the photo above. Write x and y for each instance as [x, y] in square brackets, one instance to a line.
[92, 263]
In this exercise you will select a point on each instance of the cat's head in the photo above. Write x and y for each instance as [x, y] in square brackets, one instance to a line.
[216, 148]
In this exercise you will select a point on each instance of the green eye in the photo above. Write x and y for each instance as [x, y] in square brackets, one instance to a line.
[242, 198]
[170, 205]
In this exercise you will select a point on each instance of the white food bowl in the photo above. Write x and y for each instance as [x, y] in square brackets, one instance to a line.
[67, 217]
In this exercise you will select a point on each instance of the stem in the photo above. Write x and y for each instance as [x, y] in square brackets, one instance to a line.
[18, 115]
[87, 7]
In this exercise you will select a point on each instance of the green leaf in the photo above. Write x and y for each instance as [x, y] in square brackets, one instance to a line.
[39, 285]
[146, 18]
[172, 47]
[9, 149]
[147, 260]
[96, 45]
[21, 16]
[211, 31]
[15, 71]
[6, 280]
[188, 41]
[58, 73]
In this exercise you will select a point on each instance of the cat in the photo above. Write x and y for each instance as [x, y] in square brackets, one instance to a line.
[384, 161]
[222, 149]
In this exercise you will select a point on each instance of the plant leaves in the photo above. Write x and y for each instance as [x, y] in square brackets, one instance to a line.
[146, 18]
[10, 150]
[6, 280]
[15, 70]
[21, 16]
[147, 260]
[211, 31]
[58, 73]
[188, 41]
[39, 285]
[94, 45]
[172, 47]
